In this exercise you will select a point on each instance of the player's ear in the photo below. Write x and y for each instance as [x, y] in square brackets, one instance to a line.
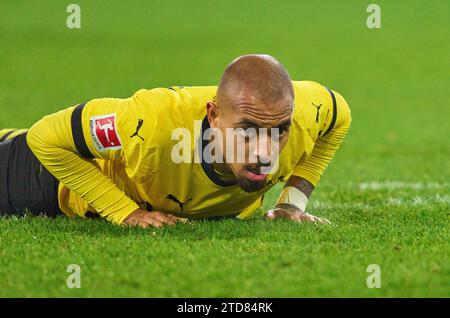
[212, 113]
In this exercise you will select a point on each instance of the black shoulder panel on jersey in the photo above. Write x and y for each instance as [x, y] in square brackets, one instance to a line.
[6, 135]
[333, 119]
[77, 132]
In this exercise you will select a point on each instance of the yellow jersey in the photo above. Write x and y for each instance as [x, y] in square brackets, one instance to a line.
[113, 156]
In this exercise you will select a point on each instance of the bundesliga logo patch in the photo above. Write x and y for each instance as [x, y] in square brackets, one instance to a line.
[104, 132]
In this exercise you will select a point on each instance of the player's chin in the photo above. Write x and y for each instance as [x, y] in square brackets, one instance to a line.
[250, 185]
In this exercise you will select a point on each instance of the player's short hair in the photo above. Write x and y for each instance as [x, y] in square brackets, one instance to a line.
[261, 74]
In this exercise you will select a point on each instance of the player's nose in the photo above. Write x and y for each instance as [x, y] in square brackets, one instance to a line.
[263, 149]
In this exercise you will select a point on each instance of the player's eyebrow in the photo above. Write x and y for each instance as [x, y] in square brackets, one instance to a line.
[285, 123]
[255, 124]
[248, 123]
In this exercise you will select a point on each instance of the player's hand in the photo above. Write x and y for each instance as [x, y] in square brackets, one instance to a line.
[146, 219]
[294, 215]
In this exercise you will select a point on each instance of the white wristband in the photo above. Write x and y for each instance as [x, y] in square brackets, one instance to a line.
[293, 196]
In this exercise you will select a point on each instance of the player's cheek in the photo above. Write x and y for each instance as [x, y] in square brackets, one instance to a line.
[282, 142]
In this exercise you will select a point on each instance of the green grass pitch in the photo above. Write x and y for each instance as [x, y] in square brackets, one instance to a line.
[387, 192]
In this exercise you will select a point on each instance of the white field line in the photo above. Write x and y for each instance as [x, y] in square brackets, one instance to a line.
[399, 185]
[414, 201]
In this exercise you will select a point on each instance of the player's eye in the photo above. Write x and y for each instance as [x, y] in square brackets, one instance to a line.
[283, 130]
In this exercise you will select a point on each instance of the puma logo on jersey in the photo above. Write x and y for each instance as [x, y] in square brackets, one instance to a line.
[139, 126]
[317, 111]
[174, 199]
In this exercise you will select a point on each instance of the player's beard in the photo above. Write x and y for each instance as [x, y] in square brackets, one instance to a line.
[251, 186]
[254, 185]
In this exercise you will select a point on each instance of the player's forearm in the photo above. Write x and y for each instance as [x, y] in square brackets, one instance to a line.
[305, 177]
[82, 176]
[315, 166]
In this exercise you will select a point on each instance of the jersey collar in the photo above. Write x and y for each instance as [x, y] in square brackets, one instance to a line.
[208, 167]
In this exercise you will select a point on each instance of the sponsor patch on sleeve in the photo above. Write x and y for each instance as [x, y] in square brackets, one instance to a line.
[104, 132]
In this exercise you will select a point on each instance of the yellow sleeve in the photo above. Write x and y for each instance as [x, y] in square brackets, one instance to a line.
[251, 209]
[327, 145]
[66, 143]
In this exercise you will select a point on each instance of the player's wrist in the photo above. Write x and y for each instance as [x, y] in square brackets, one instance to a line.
[292, 199]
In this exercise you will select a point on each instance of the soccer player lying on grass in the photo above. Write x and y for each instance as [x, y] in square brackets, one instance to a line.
[148, 160]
